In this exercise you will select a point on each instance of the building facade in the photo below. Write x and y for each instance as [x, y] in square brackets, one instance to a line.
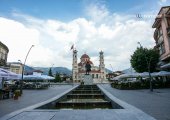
[162, 37]
[15, 67]
[98, 73]
[3, 54]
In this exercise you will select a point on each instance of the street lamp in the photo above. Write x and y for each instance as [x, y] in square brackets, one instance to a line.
[148, 64]
[111, 67]
[23, 66]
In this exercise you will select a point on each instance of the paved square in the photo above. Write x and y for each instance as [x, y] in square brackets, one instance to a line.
[128, 113]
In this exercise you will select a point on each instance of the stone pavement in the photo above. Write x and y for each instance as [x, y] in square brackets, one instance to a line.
[156, 104]
[30, 97]
[128, 113]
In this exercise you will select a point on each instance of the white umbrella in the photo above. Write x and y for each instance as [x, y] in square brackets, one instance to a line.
[126, 76]
[8, 74]
[154, 74]
[46, 77]
[3, 74]
[163, 73]
[31, 77]
[39, 77]
[144, 74]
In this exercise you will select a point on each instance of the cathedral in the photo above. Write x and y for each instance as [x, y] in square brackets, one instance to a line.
[98, 73]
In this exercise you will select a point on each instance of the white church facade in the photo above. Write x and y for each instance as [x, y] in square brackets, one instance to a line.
[98, 73]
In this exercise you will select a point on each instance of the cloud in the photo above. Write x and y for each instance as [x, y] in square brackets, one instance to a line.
[115, 34]
[17, 37]
[163, 2]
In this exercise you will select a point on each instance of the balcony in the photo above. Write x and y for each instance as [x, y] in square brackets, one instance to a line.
[168, 31]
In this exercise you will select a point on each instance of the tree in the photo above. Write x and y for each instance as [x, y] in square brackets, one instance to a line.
[50, 72]
[57, 77]
[145, 60]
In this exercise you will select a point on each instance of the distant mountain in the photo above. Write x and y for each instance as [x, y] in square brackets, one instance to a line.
[62, 70]
[108, 71]
[28, 69]
[128, 71]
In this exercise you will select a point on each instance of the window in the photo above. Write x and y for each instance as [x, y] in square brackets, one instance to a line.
[160, 40]
[96, 75]
[92, 75]
[161, 48]
[159, 32]
[168, 20]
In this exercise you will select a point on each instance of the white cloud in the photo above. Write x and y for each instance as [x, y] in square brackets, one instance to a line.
[17, 37]
[163, 1]
[113, 33]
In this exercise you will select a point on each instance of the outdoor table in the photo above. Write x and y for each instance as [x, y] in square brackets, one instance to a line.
[1, 95]
[5, 94]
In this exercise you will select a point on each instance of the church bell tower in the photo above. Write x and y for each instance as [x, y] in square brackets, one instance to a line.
[75, 66]
[102, 65]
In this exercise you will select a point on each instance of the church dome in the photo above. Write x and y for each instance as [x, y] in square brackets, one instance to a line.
[90, 62]
[85, 56]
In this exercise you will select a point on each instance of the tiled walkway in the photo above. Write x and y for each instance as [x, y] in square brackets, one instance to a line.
[30, 97]
[156, 104]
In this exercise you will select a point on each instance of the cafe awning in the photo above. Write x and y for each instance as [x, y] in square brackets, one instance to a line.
[8, 74]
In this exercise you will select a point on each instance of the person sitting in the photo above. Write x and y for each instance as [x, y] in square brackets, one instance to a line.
[5, 91]
[6, 87]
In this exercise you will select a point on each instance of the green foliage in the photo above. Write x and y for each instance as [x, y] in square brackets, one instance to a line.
[50, 72]
[144, 59]
[2, 62]
[57, 77]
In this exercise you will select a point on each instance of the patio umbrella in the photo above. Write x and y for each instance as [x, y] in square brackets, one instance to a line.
[163, 73]
[32, 77]
[3, 74]
[8, 74]
[39, 77]
[144, 74]
[46, 77]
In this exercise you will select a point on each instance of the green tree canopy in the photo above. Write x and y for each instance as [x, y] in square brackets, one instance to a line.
[57, 77]
[144, 59]
[50, 72]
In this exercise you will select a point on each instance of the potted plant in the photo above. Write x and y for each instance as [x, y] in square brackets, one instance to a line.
[17, 93]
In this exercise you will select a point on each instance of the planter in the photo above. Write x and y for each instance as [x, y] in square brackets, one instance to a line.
[17, 93]
[15, 97]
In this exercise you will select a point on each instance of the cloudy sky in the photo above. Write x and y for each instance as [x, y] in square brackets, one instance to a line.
[53, 26]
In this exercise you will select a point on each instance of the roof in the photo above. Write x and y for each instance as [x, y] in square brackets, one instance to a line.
[85, 56]
[38, 71]
[93, 71]
[81, 64]
[164, 9]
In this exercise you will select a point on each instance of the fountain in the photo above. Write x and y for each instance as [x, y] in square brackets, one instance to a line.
[83, 97]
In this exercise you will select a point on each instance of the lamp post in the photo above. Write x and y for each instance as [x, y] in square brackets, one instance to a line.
[148, 64]
[23, 65]
[111, 67]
